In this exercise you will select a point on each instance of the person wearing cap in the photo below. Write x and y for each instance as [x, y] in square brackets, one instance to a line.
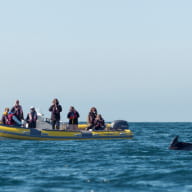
[18, 111]
[32, 118]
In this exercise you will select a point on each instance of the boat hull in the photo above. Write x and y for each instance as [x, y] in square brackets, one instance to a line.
[37, 134]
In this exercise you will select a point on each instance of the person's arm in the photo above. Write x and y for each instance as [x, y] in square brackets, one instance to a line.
[103, 122]
[22, 116]
[60, 108]
[90, 119]
[68, 115]
[27, 118]
[51, 108]
[3, 119]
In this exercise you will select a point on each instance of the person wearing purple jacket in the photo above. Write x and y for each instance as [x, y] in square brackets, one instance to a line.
[55, 110]
[18, 111]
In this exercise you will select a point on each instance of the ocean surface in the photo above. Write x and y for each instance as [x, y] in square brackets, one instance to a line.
[141, 164]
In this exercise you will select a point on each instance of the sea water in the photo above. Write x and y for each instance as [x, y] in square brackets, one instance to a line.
[143, 163]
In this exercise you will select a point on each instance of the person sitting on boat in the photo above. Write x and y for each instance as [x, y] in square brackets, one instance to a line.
[99, 123]
[12, 119]
[32, 118]
[91, 117]
[73, 116]
[18, 111]
[4, 118]
[55, 110]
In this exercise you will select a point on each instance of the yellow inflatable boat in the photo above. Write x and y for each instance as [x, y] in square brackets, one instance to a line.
[117, 130]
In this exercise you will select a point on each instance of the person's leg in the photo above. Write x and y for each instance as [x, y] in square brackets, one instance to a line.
[53, 124]
[57, 124]
[91, 126]
[34, 124]
[29, 125]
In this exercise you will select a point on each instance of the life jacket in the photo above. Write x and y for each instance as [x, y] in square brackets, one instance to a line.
[5, 113]
[4, 118]
[32, 116]
[10, 119]
[73, 115]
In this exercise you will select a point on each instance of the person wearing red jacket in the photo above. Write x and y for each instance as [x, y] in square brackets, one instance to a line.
[73, 116]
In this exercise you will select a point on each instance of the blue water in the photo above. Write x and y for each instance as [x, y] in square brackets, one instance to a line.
[143, 163]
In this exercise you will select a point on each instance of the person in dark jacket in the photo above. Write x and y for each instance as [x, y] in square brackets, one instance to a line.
[99, 123]
[91, 117]
[4, 118]
[73, 116]
[18, 111]
[55, 110]
[32, 118]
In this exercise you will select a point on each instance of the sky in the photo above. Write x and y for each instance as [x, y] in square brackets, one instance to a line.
[132, 60]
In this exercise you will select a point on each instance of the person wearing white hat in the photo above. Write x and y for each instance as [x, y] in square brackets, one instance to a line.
[32, 118]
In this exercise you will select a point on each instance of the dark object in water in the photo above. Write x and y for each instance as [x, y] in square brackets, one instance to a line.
[119, 125]
[176, 145]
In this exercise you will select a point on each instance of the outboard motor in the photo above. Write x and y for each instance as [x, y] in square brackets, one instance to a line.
[119, 125]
